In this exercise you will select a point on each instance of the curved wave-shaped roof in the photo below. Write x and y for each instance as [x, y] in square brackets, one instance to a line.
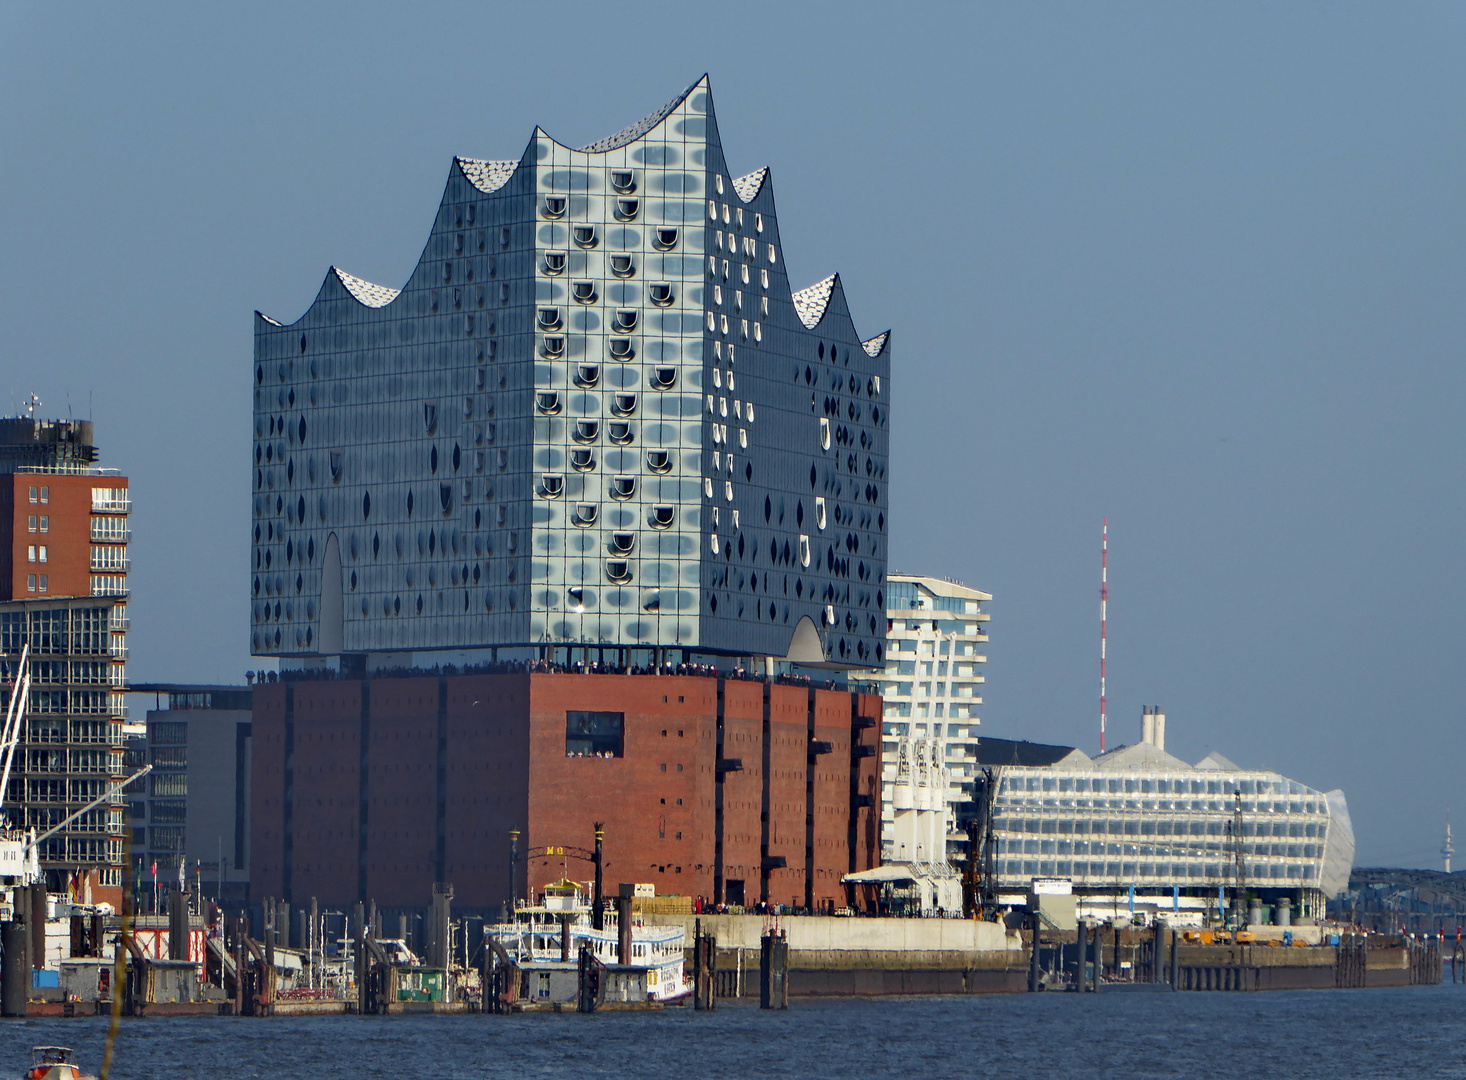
[811, 301]
[748, 186]
[874, 346]
[641, 127]
[366, 293]
[487, 176]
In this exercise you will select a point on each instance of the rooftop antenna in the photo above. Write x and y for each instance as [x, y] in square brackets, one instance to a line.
[1104, 599]
[32, 404]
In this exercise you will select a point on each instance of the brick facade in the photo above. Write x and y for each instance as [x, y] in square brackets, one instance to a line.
[453, 763]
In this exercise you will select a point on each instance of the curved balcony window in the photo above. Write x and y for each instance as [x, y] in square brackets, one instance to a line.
[618, 571]
[663, 378]
[584, 291]
[661, 293]
[623, 180]
[803, 550]
[552, 346]
[554, 262]
[662, 517]
[584, 235]
[582, 460]
[819, 512]
[619, 432]
[586, 430]
[548, 318]
[623, 542]
[622, 265]
[554, 206]
[664, 239]
[659, 461]
[824, 433]
[623, 404]
[623, 487]
[587, 375]
[547, 402]
[585, 515]
[829, 614]
[622, 349]
[626, 320]
[626, 209]
[551, 486]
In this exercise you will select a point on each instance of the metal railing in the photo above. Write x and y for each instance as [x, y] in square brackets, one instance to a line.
[120, 565]
[108, 534]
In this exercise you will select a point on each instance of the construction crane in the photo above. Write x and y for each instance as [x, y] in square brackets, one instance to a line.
[980, 878]
[19, 857]
[1239, 863]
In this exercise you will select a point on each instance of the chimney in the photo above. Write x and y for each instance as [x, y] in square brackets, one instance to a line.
[1147, 726]
[1158, 726]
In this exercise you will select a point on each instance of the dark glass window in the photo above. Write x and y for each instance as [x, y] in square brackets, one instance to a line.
[594, 734]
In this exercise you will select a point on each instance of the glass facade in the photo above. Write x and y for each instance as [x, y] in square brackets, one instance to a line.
[72, 743]
[596, 415]
[1159, 827]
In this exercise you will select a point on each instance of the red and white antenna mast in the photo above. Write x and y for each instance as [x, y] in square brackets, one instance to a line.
[1104, 599]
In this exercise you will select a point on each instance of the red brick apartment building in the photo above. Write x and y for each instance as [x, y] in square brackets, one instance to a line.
[725, 789]
[63, 591]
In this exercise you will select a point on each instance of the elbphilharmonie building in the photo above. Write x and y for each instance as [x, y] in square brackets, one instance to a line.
[596, 415]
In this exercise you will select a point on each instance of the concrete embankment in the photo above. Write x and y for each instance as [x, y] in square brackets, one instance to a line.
[1256, 967]
[834, 957]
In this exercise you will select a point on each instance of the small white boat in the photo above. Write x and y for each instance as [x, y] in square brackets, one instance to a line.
[549, 967]
[55, 1063]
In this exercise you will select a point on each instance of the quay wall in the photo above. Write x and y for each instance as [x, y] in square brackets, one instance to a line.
[840, 957]
[824, 933]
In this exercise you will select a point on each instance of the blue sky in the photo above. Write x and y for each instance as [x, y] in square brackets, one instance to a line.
[1194, 267]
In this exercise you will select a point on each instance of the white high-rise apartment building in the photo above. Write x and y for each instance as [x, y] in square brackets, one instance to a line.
[932, 682]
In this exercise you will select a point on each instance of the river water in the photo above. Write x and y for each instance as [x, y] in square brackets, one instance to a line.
[1282, 1035]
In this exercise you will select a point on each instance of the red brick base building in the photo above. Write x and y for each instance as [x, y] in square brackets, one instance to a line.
[725, 789]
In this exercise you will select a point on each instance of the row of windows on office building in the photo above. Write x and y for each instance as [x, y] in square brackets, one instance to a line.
[1021, 871]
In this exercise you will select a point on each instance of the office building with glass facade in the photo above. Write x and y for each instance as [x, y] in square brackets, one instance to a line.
[596, 416]
[1139, 826]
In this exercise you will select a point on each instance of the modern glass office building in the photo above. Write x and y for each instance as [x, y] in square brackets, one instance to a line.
[1140, 819]
[595, 416]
